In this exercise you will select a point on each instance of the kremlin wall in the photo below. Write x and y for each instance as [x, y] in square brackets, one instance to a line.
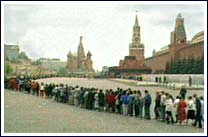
[178, 49]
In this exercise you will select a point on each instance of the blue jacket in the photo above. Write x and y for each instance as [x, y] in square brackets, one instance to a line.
[147, 99]
[124, 99]
[130, 99]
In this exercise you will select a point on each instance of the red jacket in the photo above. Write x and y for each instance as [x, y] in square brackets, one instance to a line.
[111, 99]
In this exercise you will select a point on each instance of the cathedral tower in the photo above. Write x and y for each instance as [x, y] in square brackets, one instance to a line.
[80, 62]
[136, 48]
[89, 61]
[80, 53]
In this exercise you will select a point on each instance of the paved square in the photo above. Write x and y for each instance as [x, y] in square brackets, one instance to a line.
[32, 114]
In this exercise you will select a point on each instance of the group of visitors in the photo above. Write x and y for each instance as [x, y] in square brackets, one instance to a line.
[179, 110]
[127, 102]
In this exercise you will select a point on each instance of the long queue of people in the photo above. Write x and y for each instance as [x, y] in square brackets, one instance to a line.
[122, 101]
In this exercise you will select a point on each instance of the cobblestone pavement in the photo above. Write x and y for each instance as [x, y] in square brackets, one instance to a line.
[27, 113]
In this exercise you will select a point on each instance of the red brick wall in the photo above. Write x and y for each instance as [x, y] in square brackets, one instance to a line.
[178, 51]
[192, 51]
[158, 63]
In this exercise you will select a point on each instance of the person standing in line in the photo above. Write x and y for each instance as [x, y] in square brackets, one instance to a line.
[86, 98]
[182, 111]
[162, 106]
[101, 99]
[175, 107]
[117, 101]
[198, 119]
[106, 107]
[81, 97]
[61, 96]
[130, 103]
[140, 104]
[76, 96]
[50, 88]
[96, 104]
[157, 105]
[134, 103]
[42, 88]
[202, 108]
[183, 92]
[120, 102]
[147, 103]
[124, 103]
[191, 109]
[111, 101]
[55, 90]
[46, 90]
[90, 99]
[71, 97]
[169, 106]
[37, 88]
[93, 99]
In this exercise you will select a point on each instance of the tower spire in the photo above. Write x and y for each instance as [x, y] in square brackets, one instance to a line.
[136, 48]
[136, 20]
[80, 41]
[80, 53]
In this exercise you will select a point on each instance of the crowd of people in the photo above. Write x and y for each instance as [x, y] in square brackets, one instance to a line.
[134, 103]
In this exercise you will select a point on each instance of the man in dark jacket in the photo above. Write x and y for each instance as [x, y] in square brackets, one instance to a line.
[157, 105]
[198, 113]
[183, 92]
[101, 100]
[147, 103]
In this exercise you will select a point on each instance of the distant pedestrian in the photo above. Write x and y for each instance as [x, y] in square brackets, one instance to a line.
[190, 81]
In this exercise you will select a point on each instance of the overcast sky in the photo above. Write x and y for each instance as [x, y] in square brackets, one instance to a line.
[52, 30]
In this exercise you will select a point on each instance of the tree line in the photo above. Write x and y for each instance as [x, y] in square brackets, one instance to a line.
[186, 66]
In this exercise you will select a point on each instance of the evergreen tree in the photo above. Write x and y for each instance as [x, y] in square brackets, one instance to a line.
[201, 65]
[174, 68]
[178, 67]
[171, 67]
[196, 65]
[193, 69]
[189, 66]
[183, 66]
